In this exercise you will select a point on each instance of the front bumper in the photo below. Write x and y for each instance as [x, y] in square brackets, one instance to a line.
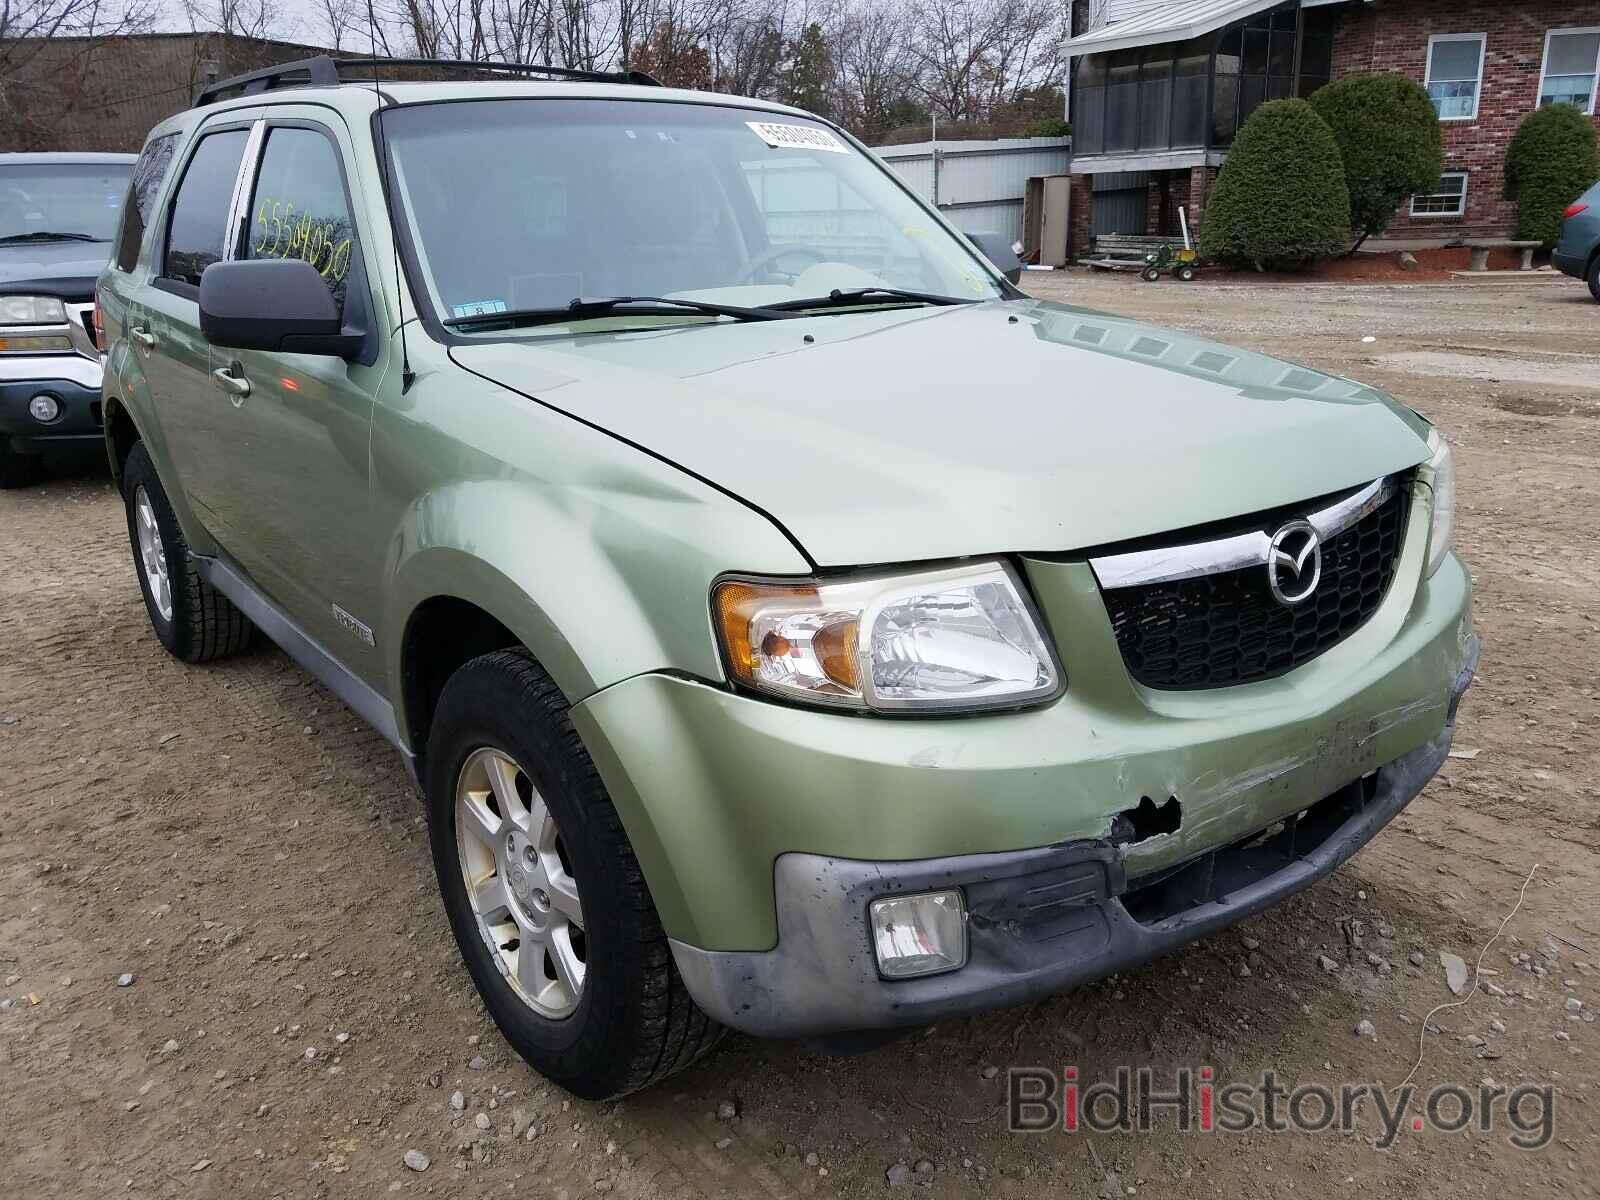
[1039, 921]
[75, 383]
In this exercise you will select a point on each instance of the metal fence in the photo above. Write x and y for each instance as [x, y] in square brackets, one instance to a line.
[978, 185]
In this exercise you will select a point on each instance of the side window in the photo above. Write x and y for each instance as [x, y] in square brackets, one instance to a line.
[148, 173]
[200, 210]
[299, 208]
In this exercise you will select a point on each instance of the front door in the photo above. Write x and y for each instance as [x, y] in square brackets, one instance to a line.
[165, 325]
[295, 452]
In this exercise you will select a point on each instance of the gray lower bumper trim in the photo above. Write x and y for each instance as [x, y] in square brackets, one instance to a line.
[1040, 921]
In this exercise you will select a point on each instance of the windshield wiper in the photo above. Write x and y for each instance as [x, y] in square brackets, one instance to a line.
[841, 297]
[644, 306]
[45, 235]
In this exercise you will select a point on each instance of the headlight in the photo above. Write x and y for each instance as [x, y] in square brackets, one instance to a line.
[1441, 477]
[963, 638]
[32, 310]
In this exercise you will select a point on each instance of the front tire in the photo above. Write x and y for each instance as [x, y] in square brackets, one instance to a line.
[195, 622]
[531, 856]
[1150, 274]
[17, 470]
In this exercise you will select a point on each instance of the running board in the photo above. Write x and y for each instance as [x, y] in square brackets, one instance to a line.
[305, 650]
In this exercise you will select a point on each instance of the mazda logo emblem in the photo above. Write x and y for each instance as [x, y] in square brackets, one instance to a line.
[1294, 563]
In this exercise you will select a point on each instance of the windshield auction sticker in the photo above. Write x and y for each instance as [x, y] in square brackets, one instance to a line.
[797, 137]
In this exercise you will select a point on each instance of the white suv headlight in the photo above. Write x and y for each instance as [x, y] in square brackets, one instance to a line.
[32, 310]
[962, 638]
[1440, 475]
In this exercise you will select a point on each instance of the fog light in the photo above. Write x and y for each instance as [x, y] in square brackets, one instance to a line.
[919, 935]
[44, 408]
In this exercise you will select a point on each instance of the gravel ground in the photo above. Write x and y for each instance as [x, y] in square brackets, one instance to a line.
[226, 971]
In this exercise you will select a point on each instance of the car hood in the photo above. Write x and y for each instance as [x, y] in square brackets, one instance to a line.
[66, 269]
[929, 433]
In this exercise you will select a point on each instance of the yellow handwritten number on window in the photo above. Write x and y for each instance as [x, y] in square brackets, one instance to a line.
[280, 234]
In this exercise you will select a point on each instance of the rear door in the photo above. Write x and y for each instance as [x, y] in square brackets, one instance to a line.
[165, 331]
[291, 454]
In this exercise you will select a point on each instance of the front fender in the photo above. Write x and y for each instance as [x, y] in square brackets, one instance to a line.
[599, 557]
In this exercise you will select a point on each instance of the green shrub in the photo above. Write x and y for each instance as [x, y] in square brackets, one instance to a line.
[1280, 202]
[1551, 162]
[1048, 127]
[1389, 141]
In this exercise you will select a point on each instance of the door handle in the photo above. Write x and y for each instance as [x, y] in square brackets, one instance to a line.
[234, 385]
[142, 338]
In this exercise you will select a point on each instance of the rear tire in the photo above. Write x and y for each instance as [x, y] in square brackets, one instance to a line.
[1184, 274]
[1594, 277]
[195, 622]
[17, 470]
[629, 1022]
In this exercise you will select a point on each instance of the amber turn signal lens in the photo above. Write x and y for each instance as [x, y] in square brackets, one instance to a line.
[835, 648]
[737, 605]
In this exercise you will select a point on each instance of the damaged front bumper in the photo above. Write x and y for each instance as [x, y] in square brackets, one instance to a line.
[716, 788]
[1039, 921]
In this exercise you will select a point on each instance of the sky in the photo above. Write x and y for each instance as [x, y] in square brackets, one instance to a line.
[300, 22]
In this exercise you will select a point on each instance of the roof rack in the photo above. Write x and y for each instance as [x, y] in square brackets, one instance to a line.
[325, 71]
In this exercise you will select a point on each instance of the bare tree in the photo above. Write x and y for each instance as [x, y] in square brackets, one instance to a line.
[975, 55]
[344, 20]
[261, 20]
[31, 101]
[877, 66]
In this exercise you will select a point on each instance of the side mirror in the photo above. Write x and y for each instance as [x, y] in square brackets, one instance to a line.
[997, 248]
[277, 304]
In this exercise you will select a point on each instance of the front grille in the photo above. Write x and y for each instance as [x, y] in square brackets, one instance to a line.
[1224, 629]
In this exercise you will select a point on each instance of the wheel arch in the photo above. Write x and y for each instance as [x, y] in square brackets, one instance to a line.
[122, 434]
[446, 607]
[442, 634]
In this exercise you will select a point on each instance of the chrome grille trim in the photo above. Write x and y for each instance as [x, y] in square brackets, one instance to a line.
[80, 327]
[1166, 564]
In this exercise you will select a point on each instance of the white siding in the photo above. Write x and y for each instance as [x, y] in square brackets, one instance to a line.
[1121, 10]
[981, 183]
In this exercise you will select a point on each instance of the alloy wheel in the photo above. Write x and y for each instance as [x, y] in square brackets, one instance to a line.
[519, 882]
[152, 553]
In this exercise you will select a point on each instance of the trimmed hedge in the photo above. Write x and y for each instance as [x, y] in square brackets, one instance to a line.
[1280, 202]
[1552, 161]
[1389, 141]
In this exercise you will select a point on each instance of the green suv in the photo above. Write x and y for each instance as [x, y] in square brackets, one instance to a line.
[793, 626]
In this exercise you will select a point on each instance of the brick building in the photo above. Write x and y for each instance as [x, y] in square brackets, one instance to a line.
[1161, 88]
[71, 93]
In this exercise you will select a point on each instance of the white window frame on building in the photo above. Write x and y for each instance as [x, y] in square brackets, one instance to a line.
[1461, 199]
[1594, 67]
[1428, 80]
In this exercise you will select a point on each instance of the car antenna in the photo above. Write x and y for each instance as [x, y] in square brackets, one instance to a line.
[407, 375]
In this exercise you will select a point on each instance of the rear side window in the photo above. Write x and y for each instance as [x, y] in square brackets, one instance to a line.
[200, 209]
[148, 173]
[299, 208]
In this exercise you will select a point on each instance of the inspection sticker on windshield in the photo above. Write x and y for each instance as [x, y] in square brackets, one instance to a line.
[478, 308]
[797, 137]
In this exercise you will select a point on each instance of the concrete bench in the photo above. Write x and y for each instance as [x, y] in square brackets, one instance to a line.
[1480, 248]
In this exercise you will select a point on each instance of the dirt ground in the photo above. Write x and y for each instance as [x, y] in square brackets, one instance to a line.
[297, 1019]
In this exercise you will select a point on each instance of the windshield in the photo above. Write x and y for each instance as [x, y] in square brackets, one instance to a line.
[517, 205]
[62, 197]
